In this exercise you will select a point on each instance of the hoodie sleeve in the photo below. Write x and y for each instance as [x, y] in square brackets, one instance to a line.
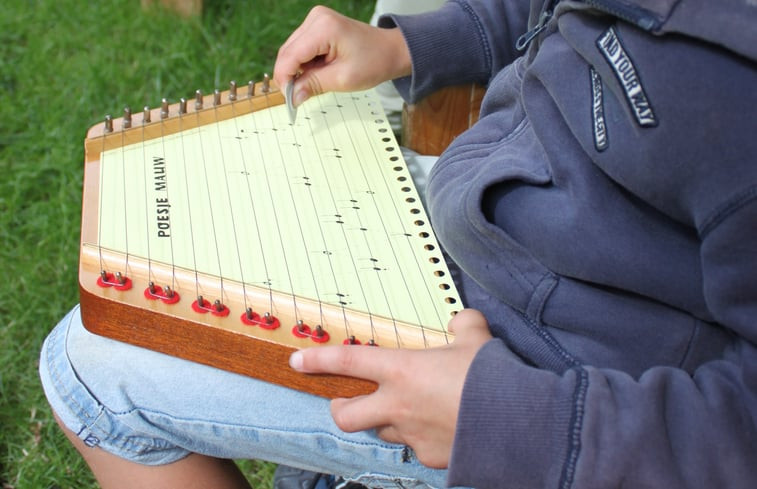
[592, 428]
[459, 43]
[525, 427]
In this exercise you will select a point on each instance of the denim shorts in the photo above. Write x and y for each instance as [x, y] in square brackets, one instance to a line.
[154, 409]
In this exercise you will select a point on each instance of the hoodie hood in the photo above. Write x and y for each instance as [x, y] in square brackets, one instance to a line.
[727, 23]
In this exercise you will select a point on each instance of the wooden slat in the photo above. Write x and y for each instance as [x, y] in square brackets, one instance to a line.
[429, 126]
[218, 348]
[185, 8]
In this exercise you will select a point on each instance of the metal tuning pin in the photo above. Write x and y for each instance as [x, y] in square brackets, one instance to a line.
[146, 118]
[108, 123]
[198, 99]
[216, 98]
[151, 287]
[320, 335]
[182, 106]
[104, 275]
[164, 109]
[248, 314]
[120, 278]
[250, 89]
[167, 291]
[268, 318]
[300, 326]
[127, 118]
[232, 91]
[217, 305]
[266, 83]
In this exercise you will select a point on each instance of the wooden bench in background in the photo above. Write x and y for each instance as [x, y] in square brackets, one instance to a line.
[186, 8]
[430, 125]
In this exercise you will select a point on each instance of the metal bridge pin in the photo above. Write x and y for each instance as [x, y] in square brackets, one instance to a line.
[164, 109]
[232, 91]
[127, 118]
[198, 99]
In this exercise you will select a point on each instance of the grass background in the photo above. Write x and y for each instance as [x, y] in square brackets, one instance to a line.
[64, 64]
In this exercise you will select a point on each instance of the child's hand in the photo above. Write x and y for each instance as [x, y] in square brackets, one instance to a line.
[419, 391]
[331, 52]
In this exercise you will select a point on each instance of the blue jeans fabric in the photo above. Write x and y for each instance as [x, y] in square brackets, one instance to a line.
[155, 409]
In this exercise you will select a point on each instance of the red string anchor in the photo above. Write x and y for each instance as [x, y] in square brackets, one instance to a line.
[165, 294]
[115, 280]
[266, 321]
[217, 308]
[317, 334]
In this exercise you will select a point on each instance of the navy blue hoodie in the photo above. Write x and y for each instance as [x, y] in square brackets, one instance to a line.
[603, 212]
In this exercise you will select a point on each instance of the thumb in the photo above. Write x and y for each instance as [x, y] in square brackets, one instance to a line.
[319, 77]
[470, 327]
[306, 85]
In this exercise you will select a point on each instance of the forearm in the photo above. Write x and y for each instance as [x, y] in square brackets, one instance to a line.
[330, 52]
[459, 43]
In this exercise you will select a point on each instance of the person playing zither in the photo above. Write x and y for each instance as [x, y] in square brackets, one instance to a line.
[606, 242]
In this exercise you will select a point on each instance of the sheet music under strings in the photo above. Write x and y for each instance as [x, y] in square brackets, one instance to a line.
[323, 210]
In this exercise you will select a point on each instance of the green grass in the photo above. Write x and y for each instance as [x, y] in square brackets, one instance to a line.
[64, 64]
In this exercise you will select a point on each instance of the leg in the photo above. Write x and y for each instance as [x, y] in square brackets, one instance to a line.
[156, 413]
[193, 471]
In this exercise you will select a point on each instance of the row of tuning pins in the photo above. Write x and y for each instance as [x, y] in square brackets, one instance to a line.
[201, 305]
[199, 103]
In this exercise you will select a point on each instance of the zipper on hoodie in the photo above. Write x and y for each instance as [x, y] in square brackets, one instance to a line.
[546, 14]
[630, 13]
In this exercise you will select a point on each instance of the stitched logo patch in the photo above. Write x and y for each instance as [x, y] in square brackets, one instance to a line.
[610, 46]
[598, 111]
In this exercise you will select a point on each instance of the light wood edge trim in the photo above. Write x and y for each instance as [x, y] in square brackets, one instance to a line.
[98, 141]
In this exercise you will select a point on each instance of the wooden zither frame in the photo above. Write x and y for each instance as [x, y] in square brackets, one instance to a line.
[216, 230]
